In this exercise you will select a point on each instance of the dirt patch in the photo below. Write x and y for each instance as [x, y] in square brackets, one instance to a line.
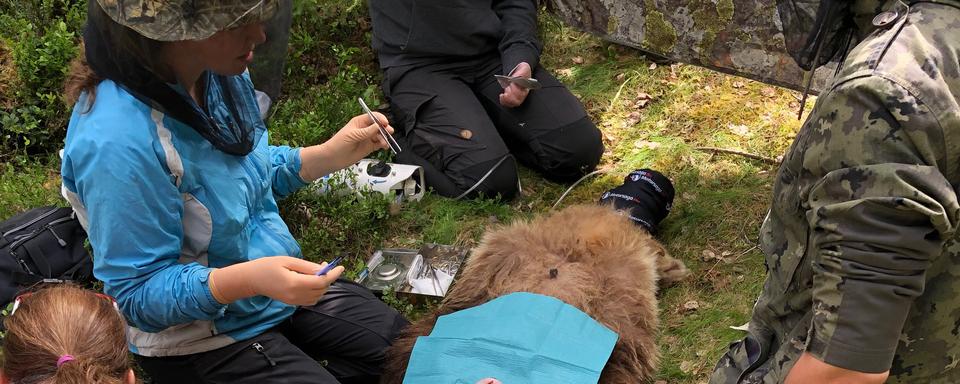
[8, 76]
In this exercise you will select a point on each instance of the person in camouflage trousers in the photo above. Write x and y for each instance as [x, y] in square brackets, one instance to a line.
[863, 263]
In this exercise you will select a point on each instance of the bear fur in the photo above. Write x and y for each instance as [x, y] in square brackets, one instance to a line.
[588, 256]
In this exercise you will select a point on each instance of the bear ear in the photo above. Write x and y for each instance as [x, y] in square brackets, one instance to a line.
[669, 270]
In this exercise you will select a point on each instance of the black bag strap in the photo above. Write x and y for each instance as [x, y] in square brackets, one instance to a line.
[33, 250]
[69, 274]
[26, 281]
[23, 279]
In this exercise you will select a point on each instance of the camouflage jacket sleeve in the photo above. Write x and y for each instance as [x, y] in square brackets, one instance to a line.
[519, 43]
[879, 208]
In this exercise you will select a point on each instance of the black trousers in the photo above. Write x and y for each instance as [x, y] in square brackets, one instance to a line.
[451, 123]
[341, 339]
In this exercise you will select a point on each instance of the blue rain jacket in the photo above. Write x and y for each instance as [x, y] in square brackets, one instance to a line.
[162, 207]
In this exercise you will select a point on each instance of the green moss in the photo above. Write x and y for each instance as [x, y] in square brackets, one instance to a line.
[725, 9]
[706, 45]
[612, 24]
[711, 20]
[658, 35]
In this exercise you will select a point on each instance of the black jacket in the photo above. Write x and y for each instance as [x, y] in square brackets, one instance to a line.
[427, 31]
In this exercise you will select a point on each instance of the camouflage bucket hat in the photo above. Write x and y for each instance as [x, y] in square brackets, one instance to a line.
[175, 20]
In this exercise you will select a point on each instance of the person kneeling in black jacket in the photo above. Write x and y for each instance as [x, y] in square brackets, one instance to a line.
[453, 117]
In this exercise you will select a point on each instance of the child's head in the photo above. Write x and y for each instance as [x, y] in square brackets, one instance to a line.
[64, 334]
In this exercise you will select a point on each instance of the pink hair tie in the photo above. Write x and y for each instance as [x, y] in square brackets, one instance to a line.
[63, 359]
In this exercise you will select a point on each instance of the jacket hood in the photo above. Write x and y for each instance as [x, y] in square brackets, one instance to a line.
[817, 32]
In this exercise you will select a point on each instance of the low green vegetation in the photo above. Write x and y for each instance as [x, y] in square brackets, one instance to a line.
[29, 185]
[663, 117]
[38, 39]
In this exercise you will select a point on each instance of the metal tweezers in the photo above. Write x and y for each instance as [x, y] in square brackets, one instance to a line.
[436, 280]
[430, 272]
[394, 146]
[523, 82]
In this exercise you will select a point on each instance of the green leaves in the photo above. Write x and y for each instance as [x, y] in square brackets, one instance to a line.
[330, 64]
[39, 40]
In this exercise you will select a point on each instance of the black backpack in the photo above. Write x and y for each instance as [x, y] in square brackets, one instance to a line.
[40, 245]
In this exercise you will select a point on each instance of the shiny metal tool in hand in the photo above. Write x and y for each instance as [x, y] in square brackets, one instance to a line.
[522, 82]
[394, 146]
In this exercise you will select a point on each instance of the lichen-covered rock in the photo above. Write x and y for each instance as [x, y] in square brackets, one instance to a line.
[742, 37]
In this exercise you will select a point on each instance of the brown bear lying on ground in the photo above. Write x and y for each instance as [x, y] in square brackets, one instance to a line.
[588, 256]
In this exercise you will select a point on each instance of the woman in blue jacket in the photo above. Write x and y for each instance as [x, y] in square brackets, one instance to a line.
[168, 166]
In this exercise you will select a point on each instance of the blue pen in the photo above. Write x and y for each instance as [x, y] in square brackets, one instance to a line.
[330, 266]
